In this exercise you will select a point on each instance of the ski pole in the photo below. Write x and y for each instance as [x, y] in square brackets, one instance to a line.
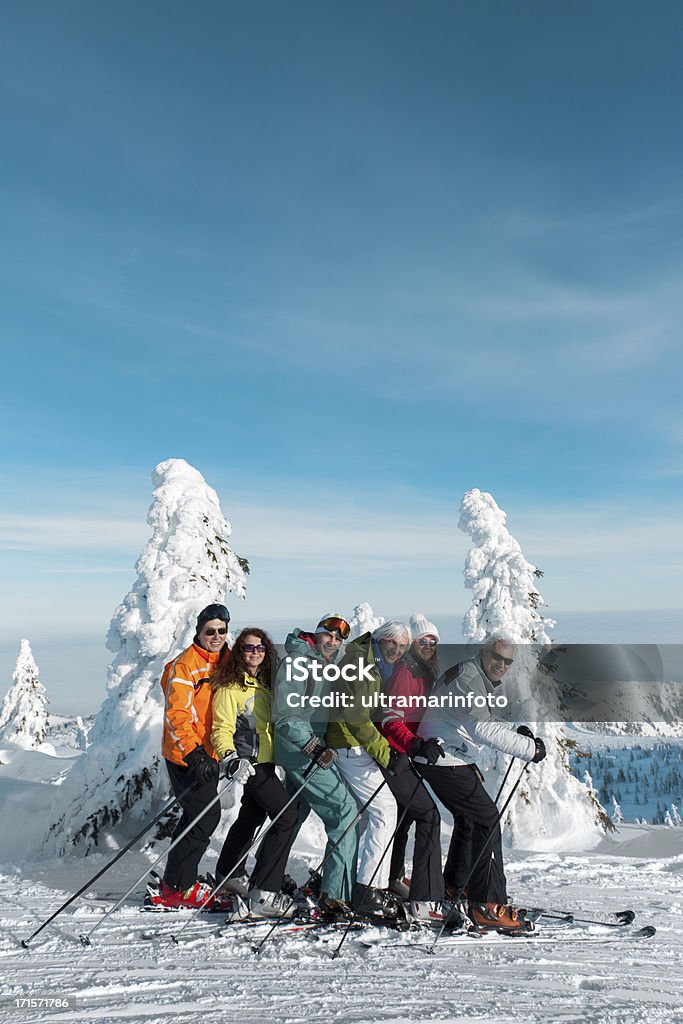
[505, 778]
[164, 810]
[489, 838]
[623, 917]
[400, 821]
[352, 824]
[85, 937]
[308, 775]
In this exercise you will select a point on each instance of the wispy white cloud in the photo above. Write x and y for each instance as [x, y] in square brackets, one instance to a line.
[42, 533]
[330, 546]
[523, 223]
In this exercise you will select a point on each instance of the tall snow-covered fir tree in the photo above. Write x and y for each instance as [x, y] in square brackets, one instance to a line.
[551, 808]
[364, 620]
[502, 582]
[186, 564]
[24, 718]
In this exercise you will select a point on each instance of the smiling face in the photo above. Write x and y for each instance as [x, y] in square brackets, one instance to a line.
[212, 635]
[425, 647]
[496, 660]
[253, 652]
[394, 649]
[327, 644]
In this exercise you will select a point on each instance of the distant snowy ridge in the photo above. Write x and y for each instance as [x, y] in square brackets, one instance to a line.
[186, 564]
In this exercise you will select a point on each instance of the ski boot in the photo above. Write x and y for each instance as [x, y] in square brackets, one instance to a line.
[499, 917]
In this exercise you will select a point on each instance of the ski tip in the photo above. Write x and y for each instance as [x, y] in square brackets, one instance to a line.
[84, 940]
[625, 916]
[647, 932]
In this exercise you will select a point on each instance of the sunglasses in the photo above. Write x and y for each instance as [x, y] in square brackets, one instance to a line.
[500, 659]
[254, 648]
[335, 625]
[221, 631]
[427, 643]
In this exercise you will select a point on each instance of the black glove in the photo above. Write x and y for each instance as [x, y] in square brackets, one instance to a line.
[540, 751]
[317, 751]
[398, 762]
[524, 730]
[428, 750]
[204, 769]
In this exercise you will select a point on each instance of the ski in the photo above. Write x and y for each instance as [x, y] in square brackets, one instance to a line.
[473, 938]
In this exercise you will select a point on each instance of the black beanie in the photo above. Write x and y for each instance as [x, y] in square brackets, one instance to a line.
[212, 611]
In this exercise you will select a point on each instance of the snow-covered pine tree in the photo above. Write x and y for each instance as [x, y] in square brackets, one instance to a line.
[503, 583]
[24, 719]
[551, 808]
[617, 816]
[81, 733]
[186, 564]
[363, 620]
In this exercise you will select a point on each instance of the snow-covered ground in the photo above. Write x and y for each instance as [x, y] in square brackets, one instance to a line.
[590, 974]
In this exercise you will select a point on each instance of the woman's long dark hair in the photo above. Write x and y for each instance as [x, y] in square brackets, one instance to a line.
[230, 670]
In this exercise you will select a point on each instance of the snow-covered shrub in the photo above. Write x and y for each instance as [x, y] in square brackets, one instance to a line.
[364, 620]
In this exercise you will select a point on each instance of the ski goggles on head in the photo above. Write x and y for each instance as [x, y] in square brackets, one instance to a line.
[334, 624]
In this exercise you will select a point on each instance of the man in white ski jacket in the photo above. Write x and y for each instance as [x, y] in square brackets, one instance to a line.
[454, 731]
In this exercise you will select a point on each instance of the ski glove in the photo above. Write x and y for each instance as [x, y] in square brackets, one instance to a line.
[317, 751]
[540, 751]
[398, 762]
[237, 768]
[524, 730]
[428, 751]
[204, 769]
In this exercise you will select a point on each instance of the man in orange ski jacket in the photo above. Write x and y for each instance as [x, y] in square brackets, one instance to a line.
[190, 758]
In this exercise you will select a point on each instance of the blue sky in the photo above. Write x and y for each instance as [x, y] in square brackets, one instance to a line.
[349, 260]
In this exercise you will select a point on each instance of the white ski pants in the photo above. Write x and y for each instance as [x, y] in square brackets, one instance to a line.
[362, 776]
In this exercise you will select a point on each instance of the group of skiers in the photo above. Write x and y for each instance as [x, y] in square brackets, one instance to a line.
[237, 714]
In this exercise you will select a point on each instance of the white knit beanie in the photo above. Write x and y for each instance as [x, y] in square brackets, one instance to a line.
[421, 626]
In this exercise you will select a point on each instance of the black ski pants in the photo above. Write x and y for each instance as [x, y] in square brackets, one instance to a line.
[182, 865]
[263, 795]
[459, 861]
[461, 790]
[426, 878]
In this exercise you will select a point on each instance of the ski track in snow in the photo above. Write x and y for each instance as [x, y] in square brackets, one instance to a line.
[125, 977]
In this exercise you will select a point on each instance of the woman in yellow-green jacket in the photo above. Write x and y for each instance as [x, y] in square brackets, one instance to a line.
[242, 729]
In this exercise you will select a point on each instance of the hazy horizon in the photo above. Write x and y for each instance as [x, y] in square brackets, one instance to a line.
[73, 666]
